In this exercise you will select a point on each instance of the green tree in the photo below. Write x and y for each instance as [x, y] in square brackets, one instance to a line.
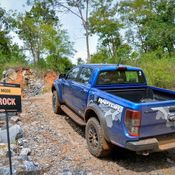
[79, 8]
[59, 48]
[10, 54]
[4, 31]
[100, 57]
[59, 64]
[31, 28]
[150, 24]
[42, 33]
[103, 22]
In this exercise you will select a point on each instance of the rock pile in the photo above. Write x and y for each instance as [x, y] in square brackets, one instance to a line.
[34, 87]
[30, 82]
[21, 160]
[31, 85]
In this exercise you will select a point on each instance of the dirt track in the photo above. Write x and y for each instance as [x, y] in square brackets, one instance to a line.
[59, 145]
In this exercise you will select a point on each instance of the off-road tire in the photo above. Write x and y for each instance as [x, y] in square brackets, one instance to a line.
[55, 103]
[97, 145]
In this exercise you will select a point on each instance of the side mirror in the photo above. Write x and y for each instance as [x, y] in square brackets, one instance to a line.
[62, 76]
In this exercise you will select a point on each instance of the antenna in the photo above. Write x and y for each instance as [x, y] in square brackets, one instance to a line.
[119, 61]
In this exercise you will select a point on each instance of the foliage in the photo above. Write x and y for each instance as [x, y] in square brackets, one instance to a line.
[159, 72]
[100, 57]
[4, 31]
[149, 30]
[122, 53]
[41, 33]
[80, 61]
[59, 64]
[104, 23]
[150, 24]
[80, 9]
[135, 32]
[10, 54]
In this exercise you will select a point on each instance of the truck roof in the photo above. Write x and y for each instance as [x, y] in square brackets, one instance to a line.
[109, 66]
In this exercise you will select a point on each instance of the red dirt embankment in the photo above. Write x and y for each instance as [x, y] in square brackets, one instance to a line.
[49, 77]
[29, 80]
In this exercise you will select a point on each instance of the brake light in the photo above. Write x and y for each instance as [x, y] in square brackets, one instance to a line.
[132, 122]
[122, 68]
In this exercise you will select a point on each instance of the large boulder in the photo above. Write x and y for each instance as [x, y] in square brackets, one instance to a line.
[20, 167]
[15, 132]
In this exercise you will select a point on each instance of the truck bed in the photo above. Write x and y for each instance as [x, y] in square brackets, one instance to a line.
[142, 95]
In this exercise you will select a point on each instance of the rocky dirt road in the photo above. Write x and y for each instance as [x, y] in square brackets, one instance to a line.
[58, 144]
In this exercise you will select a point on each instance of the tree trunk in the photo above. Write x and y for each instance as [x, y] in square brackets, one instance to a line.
[33, 54]
[87, 47]
[85, 22]
[87, 32]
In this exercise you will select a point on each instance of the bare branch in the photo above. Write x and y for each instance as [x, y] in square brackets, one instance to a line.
[69, 9]
[83, 21]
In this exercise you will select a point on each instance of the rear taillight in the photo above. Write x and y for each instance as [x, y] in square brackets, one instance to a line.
[132, 122]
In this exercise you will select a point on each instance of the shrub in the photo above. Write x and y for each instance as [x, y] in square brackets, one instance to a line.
[159, 72]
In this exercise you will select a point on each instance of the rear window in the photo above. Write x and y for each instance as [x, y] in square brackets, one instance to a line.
[120, 77]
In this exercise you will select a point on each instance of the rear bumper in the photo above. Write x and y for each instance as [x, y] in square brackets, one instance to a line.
[143, 145]
[151, 145]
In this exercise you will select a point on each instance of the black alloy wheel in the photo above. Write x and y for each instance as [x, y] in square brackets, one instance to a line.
[55, 103]
[97, 145]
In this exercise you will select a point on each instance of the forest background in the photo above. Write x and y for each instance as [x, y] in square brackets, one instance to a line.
[135, 32]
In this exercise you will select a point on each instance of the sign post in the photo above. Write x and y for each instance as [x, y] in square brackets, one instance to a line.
[8, 140]
[10, 101]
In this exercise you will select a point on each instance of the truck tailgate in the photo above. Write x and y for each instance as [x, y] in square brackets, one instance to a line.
[158, 118]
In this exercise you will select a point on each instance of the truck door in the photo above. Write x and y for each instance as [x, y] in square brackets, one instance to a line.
[81, 90]
[68, 85]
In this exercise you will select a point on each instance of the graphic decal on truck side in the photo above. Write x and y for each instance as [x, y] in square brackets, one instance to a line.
[108, 103]
[112, 112]
[164, 113]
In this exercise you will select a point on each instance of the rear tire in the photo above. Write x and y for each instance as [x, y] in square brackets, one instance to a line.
[56, 104]
[97, 145]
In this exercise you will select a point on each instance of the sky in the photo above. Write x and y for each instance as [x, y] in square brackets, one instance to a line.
[70, 22]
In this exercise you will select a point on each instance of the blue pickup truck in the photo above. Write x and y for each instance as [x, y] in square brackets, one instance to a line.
[117, 107]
